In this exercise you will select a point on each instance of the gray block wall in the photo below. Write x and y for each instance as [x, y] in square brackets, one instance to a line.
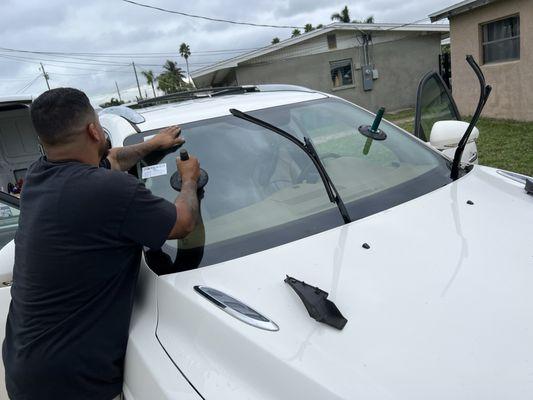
[401, 65]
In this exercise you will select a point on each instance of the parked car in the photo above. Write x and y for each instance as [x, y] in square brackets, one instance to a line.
[329, 264]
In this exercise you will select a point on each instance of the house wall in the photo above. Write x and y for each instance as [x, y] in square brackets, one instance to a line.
[400, 58]
[512, 81]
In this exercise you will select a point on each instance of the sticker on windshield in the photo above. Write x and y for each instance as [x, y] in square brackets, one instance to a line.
[154, 170]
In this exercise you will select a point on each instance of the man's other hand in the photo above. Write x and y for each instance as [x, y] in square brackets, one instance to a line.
[189, 170]
[187, 205]
[168, 137]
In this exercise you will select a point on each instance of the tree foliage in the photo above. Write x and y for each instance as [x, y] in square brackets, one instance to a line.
[112, 102]
[308, 28]
[185, 50]
[150, 79]
[343, 16]
[296, 32]
[367, 20]
[171, 79]
[275, 40]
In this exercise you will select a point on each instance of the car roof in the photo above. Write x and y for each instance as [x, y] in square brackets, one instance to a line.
[16, 99]
[211, 107]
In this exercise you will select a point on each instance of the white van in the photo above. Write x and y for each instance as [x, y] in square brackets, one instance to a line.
[19, 147]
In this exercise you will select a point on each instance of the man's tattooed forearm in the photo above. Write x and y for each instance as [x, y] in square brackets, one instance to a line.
[190, 197]
[128, 156]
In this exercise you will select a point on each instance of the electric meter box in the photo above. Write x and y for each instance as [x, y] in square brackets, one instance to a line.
[368, 77]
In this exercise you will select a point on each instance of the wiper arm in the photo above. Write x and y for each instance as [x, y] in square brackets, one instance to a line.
[483, 97]
[308, 149]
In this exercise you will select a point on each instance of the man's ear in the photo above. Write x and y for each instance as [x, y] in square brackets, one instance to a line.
[94, 132]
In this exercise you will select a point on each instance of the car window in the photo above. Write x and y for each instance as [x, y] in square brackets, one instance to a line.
[357, 165]
[258, 183]
[9, 217]
[265, 191]
[434, 103]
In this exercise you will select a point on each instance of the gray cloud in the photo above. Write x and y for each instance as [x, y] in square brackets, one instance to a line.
[114, 26]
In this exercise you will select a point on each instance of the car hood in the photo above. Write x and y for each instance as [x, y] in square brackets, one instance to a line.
[440, 306]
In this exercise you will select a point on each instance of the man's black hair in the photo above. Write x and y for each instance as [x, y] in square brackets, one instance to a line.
[58, 113]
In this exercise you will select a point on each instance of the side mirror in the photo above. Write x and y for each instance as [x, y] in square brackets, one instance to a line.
[447, 134]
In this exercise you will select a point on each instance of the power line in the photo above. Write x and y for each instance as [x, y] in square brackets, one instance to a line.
[27, 86]
[95, 63]
[83, 62]
[213, 19]
[124, 55]
[36, 61]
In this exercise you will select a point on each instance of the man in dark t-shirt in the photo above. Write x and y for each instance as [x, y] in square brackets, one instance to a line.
[77, 252]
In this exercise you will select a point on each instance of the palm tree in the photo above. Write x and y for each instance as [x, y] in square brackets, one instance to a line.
[343, 16]
[296, 32]
[368, 20]
[174, 71]
[170, 80]
[185, 52]
[308, 28]
[319, 26]
[150, 78]
[275, 40]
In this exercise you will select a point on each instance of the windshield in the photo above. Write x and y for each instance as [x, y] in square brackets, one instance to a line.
[264, 190]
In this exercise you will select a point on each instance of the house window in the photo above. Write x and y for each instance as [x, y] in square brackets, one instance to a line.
[332, 41]
[501, 40]
[341, 73]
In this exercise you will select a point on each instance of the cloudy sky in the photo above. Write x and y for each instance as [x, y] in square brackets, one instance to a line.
[114, 33]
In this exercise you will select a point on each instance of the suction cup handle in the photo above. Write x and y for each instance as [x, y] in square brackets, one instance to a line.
[184, 155]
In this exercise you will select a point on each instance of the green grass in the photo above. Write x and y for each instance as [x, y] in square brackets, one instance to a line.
[502, 144]
[402, 114]
[506, 144]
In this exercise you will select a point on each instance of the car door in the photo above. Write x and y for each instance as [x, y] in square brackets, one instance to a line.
[19, 145]
[9, 217]
[435, 103]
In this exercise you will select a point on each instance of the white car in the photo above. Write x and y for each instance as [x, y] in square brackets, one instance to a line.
[417, 285]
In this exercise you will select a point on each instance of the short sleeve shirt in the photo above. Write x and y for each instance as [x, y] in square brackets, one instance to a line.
[77, 256]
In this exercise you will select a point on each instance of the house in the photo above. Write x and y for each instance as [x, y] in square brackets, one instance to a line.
[372, 65]
[499, 34]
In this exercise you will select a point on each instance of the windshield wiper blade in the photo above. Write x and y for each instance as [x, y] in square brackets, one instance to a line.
[308, 149]
[336, 196]
[483, 97]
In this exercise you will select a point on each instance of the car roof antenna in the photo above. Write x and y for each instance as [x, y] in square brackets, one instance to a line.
[483, 97]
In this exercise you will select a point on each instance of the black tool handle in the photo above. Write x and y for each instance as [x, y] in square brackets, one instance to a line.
[184, 155]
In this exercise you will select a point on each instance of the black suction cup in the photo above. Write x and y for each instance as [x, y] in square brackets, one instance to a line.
[378, 134]
[175, 179]
[373, 132]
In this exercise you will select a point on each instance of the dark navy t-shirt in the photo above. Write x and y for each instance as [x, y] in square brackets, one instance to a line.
[77, 254]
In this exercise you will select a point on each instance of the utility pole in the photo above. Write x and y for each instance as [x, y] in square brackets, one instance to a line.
[137, 79]
[45, 76]
[118, 91]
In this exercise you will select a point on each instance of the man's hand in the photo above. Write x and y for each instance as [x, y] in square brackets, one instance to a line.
[124, 158]
[167, 138]
[187, 205]
[189, 170]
